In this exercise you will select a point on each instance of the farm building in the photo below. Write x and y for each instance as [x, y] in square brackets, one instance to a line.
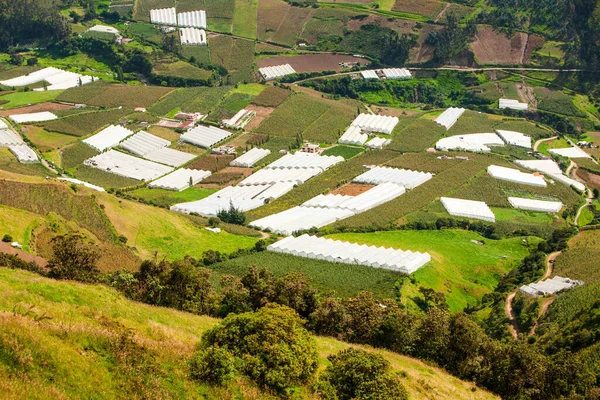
[448, 118]
[378, 143]
[549, 286]
[82, 183]
[535, 205]
[349, 253]
[515, 138]
[23, 153]
[468, 209]
[33, 117]
[396, 73]
[108, 137]
[512, 104]
[276, 71]
[205, 136]
[192, 19]
[551, 169]
[128, 166]
[404, 177]
[476, 142]
[239, 120]
[369, 74]
[249, 158]
[354, 136]
[56, 79]
[163, 16]
[375, 123]
[192, 37]
[180, 180]
[516, 176]
[571, 152]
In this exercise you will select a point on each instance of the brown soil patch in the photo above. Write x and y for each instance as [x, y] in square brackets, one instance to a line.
[352, 189]
[48, 106]
[399, 25]
[8, 249]
[535, 42]
[424, 52]
[428, 8]
[212, 162]
[491, 47]
[262, 113]
[592, 180]
[311, 62]
[226, 177]
[393, 112]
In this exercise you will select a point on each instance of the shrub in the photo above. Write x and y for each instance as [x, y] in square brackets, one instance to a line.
[213, 365]
[232, 216]
[73, 259]
[7, 238]
[271, 346]
[358, 374]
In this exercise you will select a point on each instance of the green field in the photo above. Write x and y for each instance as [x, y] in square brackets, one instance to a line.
[76, 154]
[20, 99]
[86, 123]
[236, 55]
[345, 151]
[580, 261]
[165, 198]
[19, 224]
[103, 178]
[176, 100]
[45, 140]
[272, 97]
[9, 163]
[417, 136]
[461, 269]
[244, 18]
[111, 96]
[181, 69]
[557, 102]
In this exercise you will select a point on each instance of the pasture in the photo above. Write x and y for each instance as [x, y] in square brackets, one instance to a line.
[45, 140]
[19, 224]
[20, 99]
[244, 18]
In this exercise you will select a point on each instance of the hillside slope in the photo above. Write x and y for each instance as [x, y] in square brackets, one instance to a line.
[69, 340]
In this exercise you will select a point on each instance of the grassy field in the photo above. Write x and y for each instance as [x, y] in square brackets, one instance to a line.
[560, 143]
[461, 269]
[165, 198]
[557, 102]
[76, 154]
[345, 151]
[236, 55]
[201, 54]
[271, 97]
[103, 179]
[417, 136]
[19, 224]
[244, 18]
[206, 99]
[9, 163]
[173, 236]
[45, 140]
[86, 123]
[182, 69]
[20, 99]
[90, 322]
[220, 14]
[176, 99]
[111, 96]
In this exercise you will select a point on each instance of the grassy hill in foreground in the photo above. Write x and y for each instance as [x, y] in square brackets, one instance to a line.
[69, 340]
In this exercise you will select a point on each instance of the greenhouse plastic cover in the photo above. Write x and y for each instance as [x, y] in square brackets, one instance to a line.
[180, 180]
[172, 157]
[396, 73]
[108, 137]
[143, 143]
[515, 138]
[86, 184]
[516, 176]
[33, 117]
[273, 175]
[449, 117]
[514, 104]
[476, 142]
[468, 209]
[305, 160]
[369, 74]
[239, 118]
[276, 71]
[205, 136]
[56, 78]
[551, 169]
[192, 19]
[571, 152]
[375, 123]
[9, 138]
[378, 143]
[192, 36]
[549, 286]
[350, 253]
[128, 166]
[353, 135]
[164, 16]
[3, 125]
[251, 157]
[23, 153]
[535, 205]
[404, 177]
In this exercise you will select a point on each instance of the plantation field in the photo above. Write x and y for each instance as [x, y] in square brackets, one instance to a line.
[86, 123]
[180, 98]
[244, 18]
[580, 261]
[182, 69]
[45, 140]
[236, 55]
[230, 105]
[201, 54]
[345, 151]
[272, 97]
[19, 224]
[111, 96]
[557, 102]
[151, 229]
[20, 99]
[220, 14]
[166, 198]
[464, 271]
[103, 179]
[280, 22]
[76, 154]
[417, 136]
[474, 122]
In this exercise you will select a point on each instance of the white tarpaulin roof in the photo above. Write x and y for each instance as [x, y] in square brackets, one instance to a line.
[353, 135]
[128, 166]
[23, 153]
[369, 74]
[477, 142]
[57, 79]
[9, 138]
[396, 73]
[404, 177]
[571, 152]
[33, 117]
[192, 19]
[251, 157]
[205, 136]
[516, 176]
[305, 160]
[108, 137]
[514, 104]
[549, 286]
[172, 157]
[535, 205]
[449, 117]
[180, 180]
[143, 143]
[468, 209]
[515, 138]
[192, 36]
[378, 143]
[87, 185]
[551, 169]
[375, 123]
[163, 16]
[276, 71]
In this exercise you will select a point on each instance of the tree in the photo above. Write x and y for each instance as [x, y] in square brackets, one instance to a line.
[169, 44]
[365, 317]
[271, 346]
[16, 59]
[32, 61]
[232, 216]
[187, 288]
[213, 365]
[235, 298]
[294, 291]
[358, 374]
[434, 334]
[73, 259]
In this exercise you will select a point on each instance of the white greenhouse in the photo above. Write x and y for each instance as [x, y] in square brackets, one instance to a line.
[516, 176]
[82, 183]
[9, 138]
[192, 19]
[164, 16]
[378, 143]
[552, 170]
[535, 205]
[55, 78]
[513, 104]
[515, 138]
[396, 73]
[192, 37]
[549, 286]
[33, 117]
[239, 120]
[276, 71]
[448, 118]
[23, 153]
[571, 152]
[375, 123]
[249, 158]
[475, 142]
[468, 209]
[305, 160]
[369, 74]
[172, 157]
[353, 136]
[180, 179]
[143, 143]
[108, 137]
[205, 136]
[404, 177]
[128, 166]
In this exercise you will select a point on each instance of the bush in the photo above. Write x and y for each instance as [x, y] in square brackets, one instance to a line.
[213, 365]
[271, 346]
[232, 216]
[358, 374]
[7, 238]
[73, 259]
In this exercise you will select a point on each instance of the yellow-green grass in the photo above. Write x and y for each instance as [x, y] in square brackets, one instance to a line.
[253, 89]
[552, 49]
[580, 260]
[530, 217]
[344, 151]
[559, 143]
[72, 352]
[19, 224]
[161, 197]
[244, 18]
[45, 140]
[586, 216]
[173, 236]
[20, 99]
[460, 268]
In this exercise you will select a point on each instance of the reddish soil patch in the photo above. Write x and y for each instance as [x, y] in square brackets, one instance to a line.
[262, 113]
[36, 108]
[311, 62]
[226, 177]
[212, 162]
[352, 189]
[8, 249]
[535, 42]
[491, 47]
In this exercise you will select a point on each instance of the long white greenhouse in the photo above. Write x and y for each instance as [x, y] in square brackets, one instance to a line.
[350, 253]
[180, 179]
[164, 16]
[514, 104]
[475, 142]
[192, 37]
[128, 166]
[369, 74]
[82, 183]
[571, 152]
[276, 71]
[516, 176]
[396, 73]
[551, 169]
[267, 176]
[468, 209]
[108, 137]
[33, 117]
[251, 157]
[205, 136]
[143, 143]
[23, 153]
[404, 177]
[375, 123]
[353, 136]
[549, 286]
[172, 157]
[535, 205]
[378, 143]
[192, 19]
[305, 160]
[515, 138]
[57, 79]
[448, 118]
[239, 120]
[9, 138]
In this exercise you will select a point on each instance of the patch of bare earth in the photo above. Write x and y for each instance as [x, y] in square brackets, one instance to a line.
[226, 177]
[311, 62]
[491, 47]
[535, 42]
[352, 189]
[592, 180]
[8, 249]
[48, 106]
[398, 25]
[262, 113]
[393, 112]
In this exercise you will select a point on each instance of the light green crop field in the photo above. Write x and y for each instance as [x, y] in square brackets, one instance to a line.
[460, 268]
[19, 224]
[20, 99]
[45, 140]
[244, 18]
[162, 197]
